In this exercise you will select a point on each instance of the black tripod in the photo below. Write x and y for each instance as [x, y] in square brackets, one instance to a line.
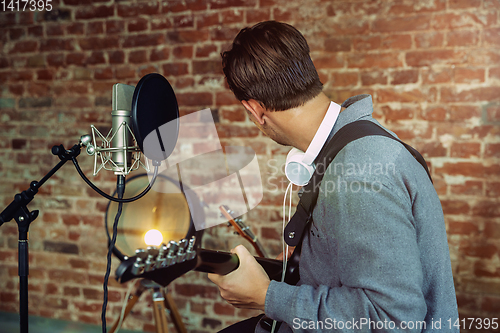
[18, 210]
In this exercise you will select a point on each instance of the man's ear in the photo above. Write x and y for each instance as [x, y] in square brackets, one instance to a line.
[256, 109]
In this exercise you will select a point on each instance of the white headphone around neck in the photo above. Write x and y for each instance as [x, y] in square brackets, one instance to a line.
[299, 166]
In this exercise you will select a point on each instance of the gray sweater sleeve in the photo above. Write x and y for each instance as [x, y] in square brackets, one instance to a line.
[372, 234]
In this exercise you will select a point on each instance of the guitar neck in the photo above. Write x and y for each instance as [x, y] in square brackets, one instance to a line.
[222, 263]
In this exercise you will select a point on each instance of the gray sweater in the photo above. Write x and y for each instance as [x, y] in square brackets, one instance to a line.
[376, 257]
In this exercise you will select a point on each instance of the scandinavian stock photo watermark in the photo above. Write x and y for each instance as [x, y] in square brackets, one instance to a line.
[338, 177]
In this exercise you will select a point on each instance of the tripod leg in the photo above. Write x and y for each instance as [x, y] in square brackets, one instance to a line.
[130, 304]
[159, 311]
[174, 313]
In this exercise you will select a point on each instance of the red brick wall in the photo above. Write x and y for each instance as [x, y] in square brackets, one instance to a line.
[433, 68]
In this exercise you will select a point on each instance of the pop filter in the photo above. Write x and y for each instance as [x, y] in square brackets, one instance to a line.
[155, 117]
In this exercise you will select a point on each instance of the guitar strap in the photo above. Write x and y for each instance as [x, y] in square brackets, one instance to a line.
[350, 132]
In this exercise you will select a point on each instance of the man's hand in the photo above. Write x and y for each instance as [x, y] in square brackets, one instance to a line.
[246, 287]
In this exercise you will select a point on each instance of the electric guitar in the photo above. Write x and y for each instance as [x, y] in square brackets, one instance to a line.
[243, 230]
[168, 262]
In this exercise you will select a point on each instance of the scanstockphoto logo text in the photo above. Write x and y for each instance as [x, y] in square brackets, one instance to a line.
[337, 177]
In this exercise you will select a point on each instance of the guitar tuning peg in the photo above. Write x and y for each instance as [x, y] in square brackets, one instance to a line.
[171, 251]
[190, 252]
[181, 254]
[138, 267]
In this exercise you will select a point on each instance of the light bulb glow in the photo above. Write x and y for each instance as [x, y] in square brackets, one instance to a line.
[153, 237]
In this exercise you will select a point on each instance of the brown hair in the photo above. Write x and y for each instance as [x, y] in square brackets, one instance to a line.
[270, 63]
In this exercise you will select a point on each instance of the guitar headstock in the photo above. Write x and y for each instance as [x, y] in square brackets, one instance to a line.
[161, 264]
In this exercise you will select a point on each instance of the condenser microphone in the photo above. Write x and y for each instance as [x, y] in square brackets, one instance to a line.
[122, 143]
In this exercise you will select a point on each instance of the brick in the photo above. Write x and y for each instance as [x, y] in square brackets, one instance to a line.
[24, 47]
[232, 131]
[75, 59]
[258, 15]
[435, 57]
[183, 21]
[490, 94]
[340, 44]
[99, 43]
[204, 20]
[398, 8]
[484, 56]
[218, 4]
[412, 23]
[479, 250]
[465, 150]
[137, 57]
[175, 69]
[136, 25]
[403, 96]
[144, 40]
[473, 169]
[493, 189]
[92, 12]
[95, 28]
[116, 57]
[45, 75]
[114, 26]
[373, 60]
[492, 36]
[492, 150]
[433, 149]
[196, 290]
[456, 4]
[182, 52]
[56, 45]
[469, 75]
[492, 230]
[468, 188]
[184, 5]
[366, 43]
[224, 34]
[328, 61]
[455, 207]
[434, 76]
[450, 21]
[35, 31]
[16, 33]
[96, 57]
[54, 30]
[462, 38]
[31, 102]
[136, 9]
[429, 39]
[396, 42]
[374, 77]
[194, 99]
[404, 77]
[159, 54]
[75, 28]
[462, 228]
[205, 51]
[486, 209]
[160, 23]
[207, 67]
[223, 309]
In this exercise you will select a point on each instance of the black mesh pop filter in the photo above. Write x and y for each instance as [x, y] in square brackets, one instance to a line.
[155, 117]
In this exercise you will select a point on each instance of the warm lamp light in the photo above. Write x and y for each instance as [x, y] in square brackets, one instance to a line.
[153, 237]
[162, 215]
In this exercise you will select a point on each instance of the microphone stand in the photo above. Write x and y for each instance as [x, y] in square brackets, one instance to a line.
[18, 210]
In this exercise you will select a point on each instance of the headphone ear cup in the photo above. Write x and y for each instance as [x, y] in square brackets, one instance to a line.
[298, 172]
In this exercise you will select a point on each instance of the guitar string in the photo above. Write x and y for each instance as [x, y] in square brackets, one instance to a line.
[285, 246]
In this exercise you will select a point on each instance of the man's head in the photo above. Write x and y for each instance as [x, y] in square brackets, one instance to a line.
[270, 63]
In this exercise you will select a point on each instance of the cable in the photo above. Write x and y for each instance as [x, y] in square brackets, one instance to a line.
[120, 190]
[107, 196]
[285, 246]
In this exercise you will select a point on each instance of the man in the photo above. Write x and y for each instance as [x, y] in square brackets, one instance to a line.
[375, 257]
